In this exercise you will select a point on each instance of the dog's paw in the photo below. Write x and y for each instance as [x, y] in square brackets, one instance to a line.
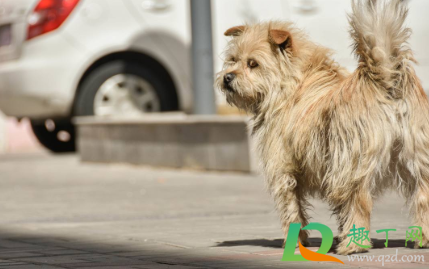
[425, 244]
[342, 249]
[337, 240]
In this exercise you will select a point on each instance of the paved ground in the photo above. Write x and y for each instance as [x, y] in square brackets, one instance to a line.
[58, 213]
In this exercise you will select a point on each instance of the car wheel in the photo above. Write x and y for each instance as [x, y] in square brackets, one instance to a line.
[56, 135]
[123, 88]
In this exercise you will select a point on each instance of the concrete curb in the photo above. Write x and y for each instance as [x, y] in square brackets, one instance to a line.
[218, 143]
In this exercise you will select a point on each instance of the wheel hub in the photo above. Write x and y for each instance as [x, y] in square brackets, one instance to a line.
[126, 94]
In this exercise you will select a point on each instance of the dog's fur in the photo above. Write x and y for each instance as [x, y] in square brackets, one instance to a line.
[328, 133]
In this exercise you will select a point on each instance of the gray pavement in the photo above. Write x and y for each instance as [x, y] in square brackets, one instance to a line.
[59, 213]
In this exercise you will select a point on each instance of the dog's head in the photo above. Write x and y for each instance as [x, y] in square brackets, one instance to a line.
[254, 63]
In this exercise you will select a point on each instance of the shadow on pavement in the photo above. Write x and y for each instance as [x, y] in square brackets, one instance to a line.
[19, 250]
[315, 242]
[277, 243]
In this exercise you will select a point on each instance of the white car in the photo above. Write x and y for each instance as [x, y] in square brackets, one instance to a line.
[63, 58]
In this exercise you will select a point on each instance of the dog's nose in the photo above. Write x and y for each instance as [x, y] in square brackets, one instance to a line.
[228, 78]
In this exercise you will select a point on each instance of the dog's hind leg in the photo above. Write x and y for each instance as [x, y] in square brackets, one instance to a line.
[290, 204]
[416, 187]
[420, 210]
[353, 214]
[415, 163]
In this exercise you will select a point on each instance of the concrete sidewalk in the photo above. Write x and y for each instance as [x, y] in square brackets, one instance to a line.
[58, 213]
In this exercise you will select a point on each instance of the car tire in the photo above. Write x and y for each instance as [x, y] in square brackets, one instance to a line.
[158, 79]
[56, 135]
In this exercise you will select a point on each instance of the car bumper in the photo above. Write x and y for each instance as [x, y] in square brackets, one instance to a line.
[41, 83]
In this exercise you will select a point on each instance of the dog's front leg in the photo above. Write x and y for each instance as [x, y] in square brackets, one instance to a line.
[290, 204]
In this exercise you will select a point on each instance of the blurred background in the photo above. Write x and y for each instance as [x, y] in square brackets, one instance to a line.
[117, 62]
[66, 58]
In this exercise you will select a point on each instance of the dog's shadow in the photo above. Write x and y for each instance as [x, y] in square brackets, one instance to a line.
[315, 243]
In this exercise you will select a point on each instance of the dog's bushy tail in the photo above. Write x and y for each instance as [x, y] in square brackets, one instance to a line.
[380, 42]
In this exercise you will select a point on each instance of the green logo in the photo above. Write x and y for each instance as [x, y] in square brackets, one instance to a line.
[357, 236]
[306, 254]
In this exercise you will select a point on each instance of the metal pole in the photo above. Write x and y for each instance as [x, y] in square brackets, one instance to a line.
[202, 57]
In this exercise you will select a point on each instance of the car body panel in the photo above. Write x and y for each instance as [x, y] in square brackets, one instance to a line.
[14, 13]
[41, 83]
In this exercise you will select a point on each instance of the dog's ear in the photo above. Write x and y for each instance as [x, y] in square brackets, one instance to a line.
[281, 38]
[235, 31]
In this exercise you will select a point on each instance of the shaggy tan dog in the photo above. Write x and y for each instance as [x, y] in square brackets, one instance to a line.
[328, 133]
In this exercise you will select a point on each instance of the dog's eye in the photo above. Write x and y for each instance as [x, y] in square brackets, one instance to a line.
[232, 59]
[252, 64]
